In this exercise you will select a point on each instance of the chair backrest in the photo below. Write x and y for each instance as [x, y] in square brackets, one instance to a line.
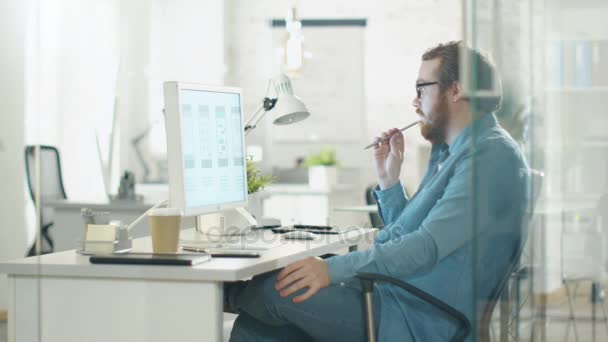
[51, 182]
[601, 218]
[535, 181]
[374, 218]
[602, 211]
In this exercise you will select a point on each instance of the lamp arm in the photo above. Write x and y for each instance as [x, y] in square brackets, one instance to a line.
[250, 124]
[267, 105]
[140, 158]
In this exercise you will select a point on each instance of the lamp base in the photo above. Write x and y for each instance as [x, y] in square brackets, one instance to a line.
[228, 222]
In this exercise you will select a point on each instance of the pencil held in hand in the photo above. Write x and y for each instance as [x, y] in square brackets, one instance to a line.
[388, 138]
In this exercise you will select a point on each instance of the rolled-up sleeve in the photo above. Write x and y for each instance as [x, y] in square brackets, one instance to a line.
[404, 255]
[391, 202]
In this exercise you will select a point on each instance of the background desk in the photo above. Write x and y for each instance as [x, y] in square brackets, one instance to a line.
[301, 204]
[69, 226]
[288, 202]
[62, 297]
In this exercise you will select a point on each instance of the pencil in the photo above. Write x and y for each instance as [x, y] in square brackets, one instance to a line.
[387, 138]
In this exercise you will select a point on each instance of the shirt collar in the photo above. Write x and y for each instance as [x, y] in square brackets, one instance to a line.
[474, 128]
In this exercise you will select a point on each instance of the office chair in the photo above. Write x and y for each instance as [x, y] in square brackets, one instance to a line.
[518, 273]
[499, 293]
[51, 188]
[374, 218]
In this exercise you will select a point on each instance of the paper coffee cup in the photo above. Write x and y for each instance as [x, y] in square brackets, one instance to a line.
[164, 228]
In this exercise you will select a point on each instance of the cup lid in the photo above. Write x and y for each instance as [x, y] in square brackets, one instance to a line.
[165, 212]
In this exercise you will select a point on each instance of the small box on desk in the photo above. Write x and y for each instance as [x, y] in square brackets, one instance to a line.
[106, 239]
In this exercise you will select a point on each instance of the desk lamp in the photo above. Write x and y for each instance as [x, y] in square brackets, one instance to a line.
[286, 108]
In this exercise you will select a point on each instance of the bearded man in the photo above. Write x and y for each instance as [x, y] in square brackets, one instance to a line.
[455, 238]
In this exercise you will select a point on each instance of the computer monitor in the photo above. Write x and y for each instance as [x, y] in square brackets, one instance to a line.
[205, 149]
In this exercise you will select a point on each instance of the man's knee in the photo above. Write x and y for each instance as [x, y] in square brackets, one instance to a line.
[258, 297]
[263, 286]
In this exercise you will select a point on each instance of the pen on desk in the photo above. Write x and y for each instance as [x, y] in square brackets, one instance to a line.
[207, 249]
[194, 249]
[266, 227]
[387, 138]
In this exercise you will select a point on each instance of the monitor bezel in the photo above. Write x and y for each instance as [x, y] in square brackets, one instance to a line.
[174, 146]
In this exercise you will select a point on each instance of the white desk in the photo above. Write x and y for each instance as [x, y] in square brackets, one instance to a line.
[372, 208]
[62, 297]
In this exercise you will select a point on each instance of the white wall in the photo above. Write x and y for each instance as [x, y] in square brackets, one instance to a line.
[86, 52]
[13, 16]
[186, 44]
[72, 60]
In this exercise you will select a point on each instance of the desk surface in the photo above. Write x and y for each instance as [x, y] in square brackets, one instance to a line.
[101, 205]
[372, 208]
[71, 264]
[305, 189]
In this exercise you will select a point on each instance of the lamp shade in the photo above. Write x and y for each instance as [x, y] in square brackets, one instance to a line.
[289, 108]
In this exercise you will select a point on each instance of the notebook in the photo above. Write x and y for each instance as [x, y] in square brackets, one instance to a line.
[151, 259]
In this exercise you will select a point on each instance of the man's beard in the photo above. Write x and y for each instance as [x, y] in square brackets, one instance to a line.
[434, 130]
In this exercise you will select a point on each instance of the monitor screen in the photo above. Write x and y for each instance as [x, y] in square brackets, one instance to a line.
[209, 124]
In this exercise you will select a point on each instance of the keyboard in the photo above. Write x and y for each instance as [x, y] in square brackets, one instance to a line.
[313, 229]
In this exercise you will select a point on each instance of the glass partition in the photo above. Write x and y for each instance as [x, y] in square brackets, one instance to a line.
[552, 59]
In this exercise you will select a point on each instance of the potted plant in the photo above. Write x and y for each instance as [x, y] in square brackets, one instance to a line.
[322, 169]
[256, 182]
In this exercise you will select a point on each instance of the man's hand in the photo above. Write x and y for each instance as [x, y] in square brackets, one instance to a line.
[312, 273]
[388, 158]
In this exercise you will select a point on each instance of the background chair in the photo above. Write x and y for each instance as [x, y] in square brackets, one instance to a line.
[374, 218]
[51, 188]
[500, 292]
[509, 314]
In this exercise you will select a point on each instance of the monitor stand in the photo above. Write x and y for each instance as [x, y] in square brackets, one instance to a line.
[228, 222]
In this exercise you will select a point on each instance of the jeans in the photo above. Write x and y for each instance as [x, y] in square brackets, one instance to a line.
[335, 313]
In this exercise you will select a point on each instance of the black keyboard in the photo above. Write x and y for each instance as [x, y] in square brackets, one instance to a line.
[308, 228]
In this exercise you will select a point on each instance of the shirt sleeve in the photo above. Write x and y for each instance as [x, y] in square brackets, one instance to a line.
[447, 227]
[391, 202]
[404, 255]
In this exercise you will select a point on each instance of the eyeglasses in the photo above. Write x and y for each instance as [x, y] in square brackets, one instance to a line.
[419, 87]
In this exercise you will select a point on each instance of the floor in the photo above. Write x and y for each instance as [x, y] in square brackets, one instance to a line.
[556, 327]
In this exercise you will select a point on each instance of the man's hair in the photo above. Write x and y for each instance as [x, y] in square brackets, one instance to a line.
[449, 72]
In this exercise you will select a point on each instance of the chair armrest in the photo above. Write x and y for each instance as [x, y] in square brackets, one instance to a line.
[368, 279]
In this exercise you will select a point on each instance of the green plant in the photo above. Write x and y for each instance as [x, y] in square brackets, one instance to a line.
[325, 157]
[255, 180]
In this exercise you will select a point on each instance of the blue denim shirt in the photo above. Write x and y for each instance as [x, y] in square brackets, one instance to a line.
[454, 238]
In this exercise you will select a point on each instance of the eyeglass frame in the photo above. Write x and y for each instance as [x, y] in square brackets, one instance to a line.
[419, 87]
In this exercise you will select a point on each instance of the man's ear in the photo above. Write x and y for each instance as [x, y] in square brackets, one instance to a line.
[457, 92]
